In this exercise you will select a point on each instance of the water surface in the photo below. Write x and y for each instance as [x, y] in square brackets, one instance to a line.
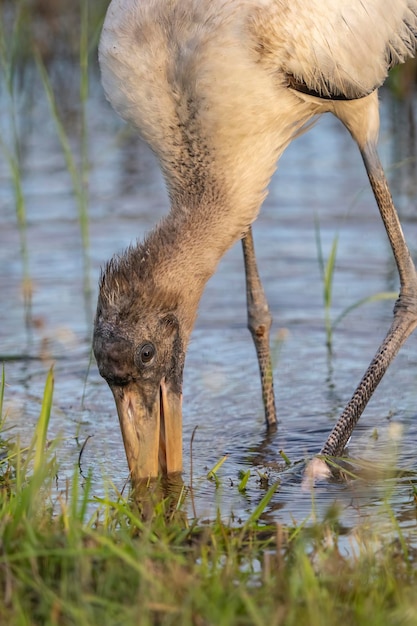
[320, 178]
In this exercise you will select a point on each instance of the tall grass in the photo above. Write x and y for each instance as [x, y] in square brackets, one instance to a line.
[21, 46]
[10, 142]
[78, 164]
[79, 176]
[327, 269]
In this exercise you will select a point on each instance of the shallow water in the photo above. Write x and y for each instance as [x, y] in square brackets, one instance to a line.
[320, 177]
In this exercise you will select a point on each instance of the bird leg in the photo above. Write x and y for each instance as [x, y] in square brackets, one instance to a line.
[405, 310]
[259, 324]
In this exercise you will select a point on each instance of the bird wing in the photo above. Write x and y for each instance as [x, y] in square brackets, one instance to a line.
[334, 48]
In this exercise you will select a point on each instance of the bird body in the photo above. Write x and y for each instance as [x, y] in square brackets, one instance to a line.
[198, 98]
[218, 89]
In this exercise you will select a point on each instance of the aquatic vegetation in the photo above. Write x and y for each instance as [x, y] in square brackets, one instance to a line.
[34, 34]
[69, 558]
[327, 271]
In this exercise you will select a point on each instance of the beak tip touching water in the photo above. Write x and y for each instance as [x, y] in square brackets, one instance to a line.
[152, 432]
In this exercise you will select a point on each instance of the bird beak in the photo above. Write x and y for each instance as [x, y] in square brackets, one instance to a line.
[152, 435]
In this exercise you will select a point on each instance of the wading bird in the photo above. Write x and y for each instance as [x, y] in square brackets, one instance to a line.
[219, 88]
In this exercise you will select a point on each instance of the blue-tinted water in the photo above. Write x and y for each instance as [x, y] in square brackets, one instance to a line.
[320, 178]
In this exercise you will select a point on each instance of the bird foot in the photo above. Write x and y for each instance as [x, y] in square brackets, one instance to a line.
[316, 470]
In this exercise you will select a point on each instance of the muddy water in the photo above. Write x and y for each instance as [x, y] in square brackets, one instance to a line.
[321, 178]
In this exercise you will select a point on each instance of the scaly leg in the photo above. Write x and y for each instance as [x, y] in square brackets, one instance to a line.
[405, 310]
[259, 324]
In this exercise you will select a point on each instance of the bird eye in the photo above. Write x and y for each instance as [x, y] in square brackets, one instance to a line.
[147, 353]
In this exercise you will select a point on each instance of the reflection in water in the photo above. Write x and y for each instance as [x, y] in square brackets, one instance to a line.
[320, 177]
[168, 493]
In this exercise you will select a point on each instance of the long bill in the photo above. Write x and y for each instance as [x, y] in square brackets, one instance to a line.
[152, 435]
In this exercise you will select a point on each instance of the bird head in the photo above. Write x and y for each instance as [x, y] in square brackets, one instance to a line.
[139, 344]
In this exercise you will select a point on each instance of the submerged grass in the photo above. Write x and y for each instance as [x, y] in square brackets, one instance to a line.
[67, 558]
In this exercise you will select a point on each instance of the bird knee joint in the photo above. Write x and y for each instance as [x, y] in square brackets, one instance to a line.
[258, 331]
[406, 303]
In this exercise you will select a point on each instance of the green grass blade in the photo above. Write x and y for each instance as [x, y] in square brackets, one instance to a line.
[43, 422]
[78, 177]
[212, 473]
[329, 273]
[320, 257]
[12, 153]
[244, 481]
[3, 383]
[382, 295]
[285, 457]
[257, 512]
